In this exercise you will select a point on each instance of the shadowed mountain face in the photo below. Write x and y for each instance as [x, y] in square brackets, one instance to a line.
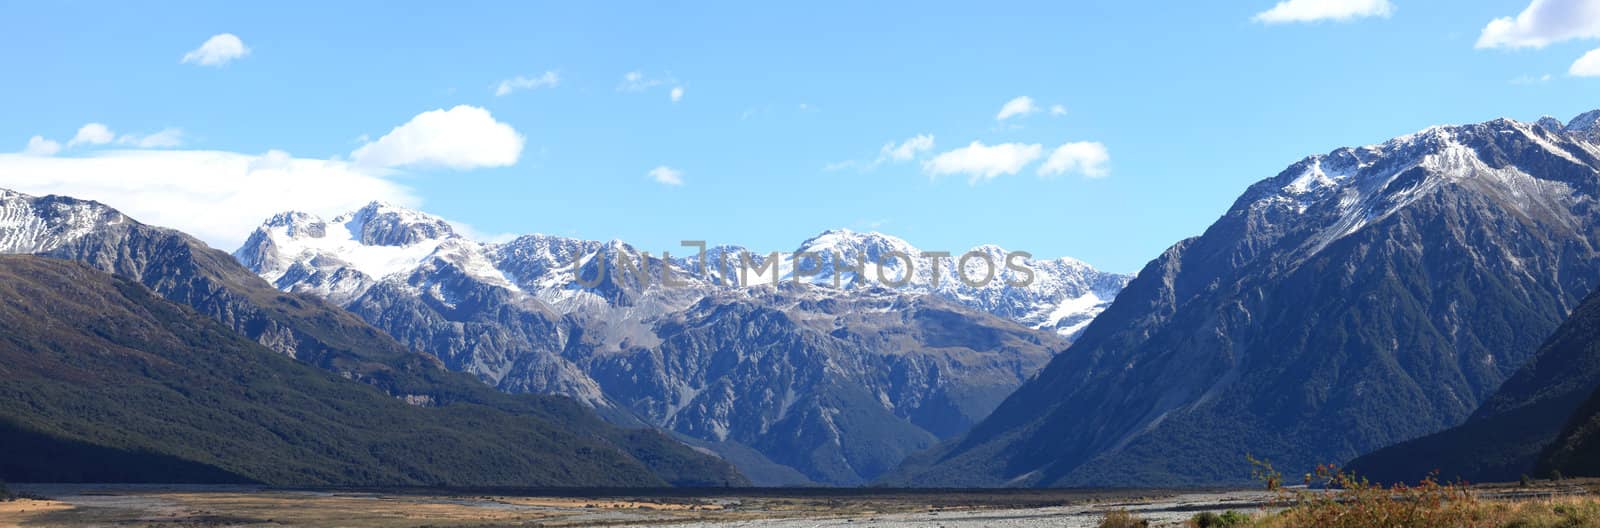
[308, 329]
[1503, 439]
[799, 382]
[128, 386]
[1576, 450]
[1359, 298]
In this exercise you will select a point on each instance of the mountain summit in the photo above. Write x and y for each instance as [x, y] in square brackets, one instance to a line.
[1361, 297]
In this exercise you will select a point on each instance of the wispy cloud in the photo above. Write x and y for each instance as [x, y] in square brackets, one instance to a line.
[217, 51]
[97, 134]
[638, 81]
[166, 138]
[1532, 79]
[1016, 107]
[1289, 11]
[667, 175]
[892, 152]
[549, 79]
[906, 150]
[39, 146]
[1089, 158]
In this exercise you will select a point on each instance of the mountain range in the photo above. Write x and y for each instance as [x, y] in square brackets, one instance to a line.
[1359, 298]
[806, 368]
[1428, 302]
[82, 381]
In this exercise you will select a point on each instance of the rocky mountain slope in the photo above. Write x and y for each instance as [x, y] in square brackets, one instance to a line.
[183, 270]
[1503, 439]
[1363, 297]
[804, 380]
[103, 381]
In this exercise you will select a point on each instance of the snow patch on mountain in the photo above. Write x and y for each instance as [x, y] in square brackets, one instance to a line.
[343, 258]
[1364, 185]
[31, 224]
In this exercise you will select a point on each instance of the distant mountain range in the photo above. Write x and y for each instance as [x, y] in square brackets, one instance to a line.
[142, 389]
[1359, 298]
[828, 376]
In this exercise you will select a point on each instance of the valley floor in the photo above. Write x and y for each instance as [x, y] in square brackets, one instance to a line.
[1567, 503]
[133, 505]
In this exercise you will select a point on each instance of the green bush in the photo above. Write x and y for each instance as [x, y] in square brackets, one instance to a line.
[1228, 519]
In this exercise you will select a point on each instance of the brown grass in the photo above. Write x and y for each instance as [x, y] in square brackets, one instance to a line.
[1122, 519]
[1344, 500]
[14, 512]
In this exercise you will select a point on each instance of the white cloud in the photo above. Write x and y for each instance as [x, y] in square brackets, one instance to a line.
[677, 94]
[216, 196]
[166, 138]
[39, 146]
[1587, 66]
[274, 159]
[217, 50]
[891, 152]
[100, 134]
[1089, 158]
[906, 150]
[1058, 110]
[92, 134]
[549, 79]
[1544, 22]
[1318, 10]
[667, 175]
[637, 81]
[1020, 106]
[982, 162]
[464, 137]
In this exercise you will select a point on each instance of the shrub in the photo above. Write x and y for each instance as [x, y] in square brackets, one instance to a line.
[1122, 519]
[1336, 499]
[1228, 519]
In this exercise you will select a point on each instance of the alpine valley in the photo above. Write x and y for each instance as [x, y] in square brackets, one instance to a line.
[801, 368]
[1428, 302]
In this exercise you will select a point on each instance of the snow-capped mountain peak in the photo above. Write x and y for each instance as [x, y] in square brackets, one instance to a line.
[1584, 122]
[1550, 123]
[342, 258]
[384, 224]
[1584, 127]
[30, 224]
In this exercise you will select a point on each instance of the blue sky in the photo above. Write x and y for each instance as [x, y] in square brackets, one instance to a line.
[784, 112]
